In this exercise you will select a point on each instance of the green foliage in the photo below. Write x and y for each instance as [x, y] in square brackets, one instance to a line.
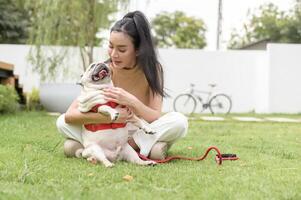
[294, 30]
[8, 99]
[33, 100]
[67, 23]
[14, 22]
[179, 31]
[268, 23]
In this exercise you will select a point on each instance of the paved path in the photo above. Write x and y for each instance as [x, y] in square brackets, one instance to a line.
[248, 119]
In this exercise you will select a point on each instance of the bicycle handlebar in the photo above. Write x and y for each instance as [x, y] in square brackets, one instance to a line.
[212, 85]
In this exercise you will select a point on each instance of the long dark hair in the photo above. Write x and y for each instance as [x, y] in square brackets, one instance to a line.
[137, 27]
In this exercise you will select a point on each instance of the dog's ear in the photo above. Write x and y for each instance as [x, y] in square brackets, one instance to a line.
[80, 82]
[91, 66]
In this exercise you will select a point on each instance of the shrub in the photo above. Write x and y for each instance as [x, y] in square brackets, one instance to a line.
[8, 99]
[33, 100]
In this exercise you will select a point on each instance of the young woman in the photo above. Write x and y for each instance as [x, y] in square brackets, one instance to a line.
[139, 86]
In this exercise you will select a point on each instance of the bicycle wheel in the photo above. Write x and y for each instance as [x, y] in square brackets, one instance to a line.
[185, 103]
[220, 103]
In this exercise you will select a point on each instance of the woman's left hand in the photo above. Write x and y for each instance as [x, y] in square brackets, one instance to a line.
[119, 96]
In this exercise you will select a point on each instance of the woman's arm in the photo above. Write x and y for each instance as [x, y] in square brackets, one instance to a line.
[149, 113]
[74, 116]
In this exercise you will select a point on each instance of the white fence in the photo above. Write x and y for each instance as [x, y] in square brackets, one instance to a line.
[260, 81]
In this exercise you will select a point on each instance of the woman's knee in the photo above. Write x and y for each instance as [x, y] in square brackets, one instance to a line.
[60, 122]
[68, 130]
[179, 121]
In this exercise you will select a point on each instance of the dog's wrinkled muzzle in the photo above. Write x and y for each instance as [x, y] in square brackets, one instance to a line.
[100, 72]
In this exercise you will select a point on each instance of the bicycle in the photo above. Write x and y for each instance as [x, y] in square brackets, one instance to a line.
[217, 103]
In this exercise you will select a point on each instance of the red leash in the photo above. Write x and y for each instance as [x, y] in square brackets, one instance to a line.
[218, 158]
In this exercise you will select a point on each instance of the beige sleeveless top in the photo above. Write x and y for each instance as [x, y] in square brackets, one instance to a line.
[133, 81]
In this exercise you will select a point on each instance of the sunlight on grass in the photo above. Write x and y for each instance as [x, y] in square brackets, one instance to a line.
[32, 165]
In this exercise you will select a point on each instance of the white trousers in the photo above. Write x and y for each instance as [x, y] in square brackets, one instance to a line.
[169, 128]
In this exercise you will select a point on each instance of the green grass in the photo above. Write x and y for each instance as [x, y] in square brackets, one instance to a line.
[32, 165]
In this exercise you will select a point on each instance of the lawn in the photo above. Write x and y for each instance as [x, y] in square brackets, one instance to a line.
[32, 165]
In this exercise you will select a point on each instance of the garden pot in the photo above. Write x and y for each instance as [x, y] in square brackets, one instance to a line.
[57, 97]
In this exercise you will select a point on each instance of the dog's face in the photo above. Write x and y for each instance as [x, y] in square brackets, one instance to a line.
[96, 74]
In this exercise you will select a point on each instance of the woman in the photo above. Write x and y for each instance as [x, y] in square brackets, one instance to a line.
[138, 79]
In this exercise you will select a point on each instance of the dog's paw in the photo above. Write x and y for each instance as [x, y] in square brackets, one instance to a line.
[148, 131]
[114, 116]
[92, 160]
[108, 164]
[149, 163]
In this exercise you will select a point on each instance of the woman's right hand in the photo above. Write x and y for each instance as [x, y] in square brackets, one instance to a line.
[124, 114]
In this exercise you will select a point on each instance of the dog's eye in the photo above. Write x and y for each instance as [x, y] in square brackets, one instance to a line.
[81, 75]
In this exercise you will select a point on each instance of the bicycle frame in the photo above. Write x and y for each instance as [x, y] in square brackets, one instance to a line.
[196, 93]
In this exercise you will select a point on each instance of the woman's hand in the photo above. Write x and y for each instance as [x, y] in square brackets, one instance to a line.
[150, 112]
[124, 114]
[119, 96]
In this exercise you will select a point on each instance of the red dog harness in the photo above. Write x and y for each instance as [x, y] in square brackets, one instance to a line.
[97, 127]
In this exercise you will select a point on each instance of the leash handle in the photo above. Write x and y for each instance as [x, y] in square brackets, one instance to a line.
[229, 156]
[219, 159]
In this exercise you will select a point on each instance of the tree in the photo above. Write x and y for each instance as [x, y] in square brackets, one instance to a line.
[269, 24]
[67, 23]
[14, 22]
[294, 26]
[179, 31]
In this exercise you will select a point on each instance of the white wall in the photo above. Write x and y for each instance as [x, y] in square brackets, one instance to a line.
[260, 81]
[284, 80]
[17, 55]
[234, 72]
[261, 94]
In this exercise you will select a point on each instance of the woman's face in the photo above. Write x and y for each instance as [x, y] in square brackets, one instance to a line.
[121, 50]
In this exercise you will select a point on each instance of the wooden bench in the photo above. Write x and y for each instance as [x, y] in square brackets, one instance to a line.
[7, 77]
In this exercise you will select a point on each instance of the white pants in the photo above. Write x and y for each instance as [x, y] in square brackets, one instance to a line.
[169, 128]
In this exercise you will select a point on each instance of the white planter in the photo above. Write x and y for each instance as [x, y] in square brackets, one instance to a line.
[57, 97]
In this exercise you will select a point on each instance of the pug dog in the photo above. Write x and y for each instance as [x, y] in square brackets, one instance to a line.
[106, 143]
